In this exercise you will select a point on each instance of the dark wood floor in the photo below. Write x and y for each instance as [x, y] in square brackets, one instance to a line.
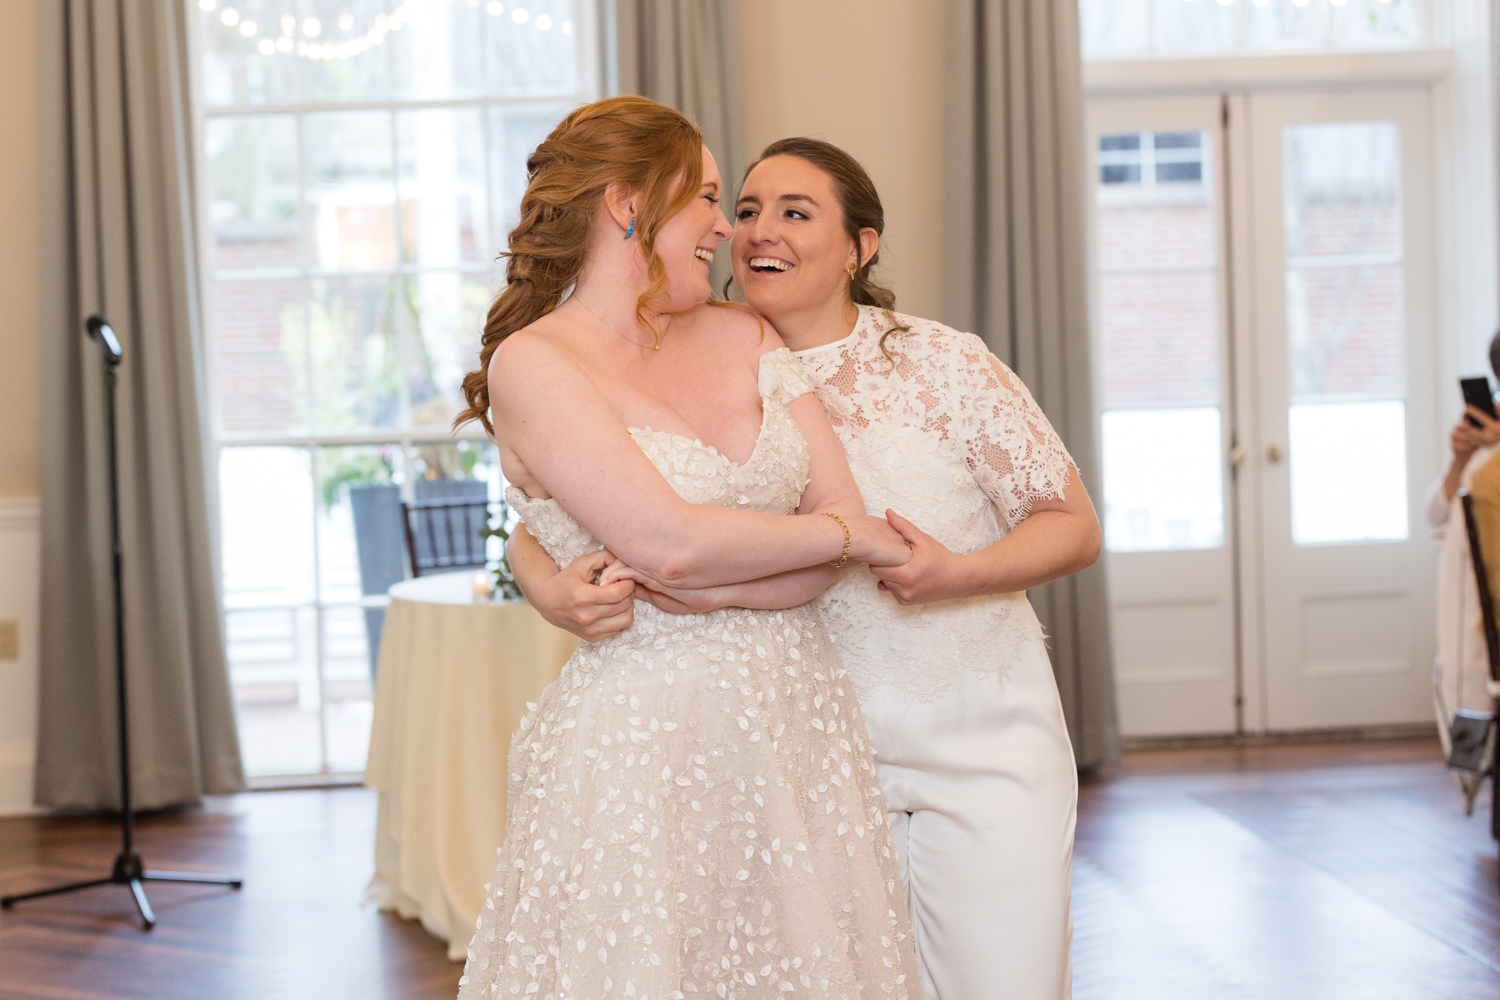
[1343, 871]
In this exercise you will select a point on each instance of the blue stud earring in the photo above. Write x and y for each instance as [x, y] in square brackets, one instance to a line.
[631, 231]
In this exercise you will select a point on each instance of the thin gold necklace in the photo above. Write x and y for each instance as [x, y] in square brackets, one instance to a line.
[611, 326]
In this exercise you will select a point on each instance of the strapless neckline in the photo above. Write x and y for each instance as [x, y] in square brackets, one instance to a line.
[760, 437]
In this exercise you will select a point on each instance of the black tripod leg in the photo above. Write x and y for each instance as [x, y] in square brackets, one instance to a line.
[54, 891]
[193, 877]
[148, 917]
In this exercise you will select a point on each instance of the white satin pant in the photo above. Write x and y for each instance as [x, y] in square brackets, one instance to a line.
[983, 796]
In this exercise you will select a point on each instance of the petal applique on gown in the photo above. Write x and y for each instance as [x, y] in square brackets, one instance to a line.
[694, 808]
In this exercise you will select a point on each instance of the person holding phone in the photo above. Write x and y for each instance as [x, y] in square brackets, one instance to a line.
[1463, 662]
[1477, 431]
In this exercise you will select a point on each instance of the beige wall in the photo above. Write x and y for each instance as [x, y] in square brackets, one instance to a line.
[868, 76]
[20, 225]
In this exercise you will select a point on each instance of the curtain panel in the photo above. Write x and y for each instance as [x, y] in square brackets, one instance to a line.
[1016, 176]
[121, 241]
[685, 54]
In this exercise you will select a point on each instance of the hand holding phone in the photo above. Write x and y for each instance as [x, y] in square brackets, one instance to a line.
[1476, 390]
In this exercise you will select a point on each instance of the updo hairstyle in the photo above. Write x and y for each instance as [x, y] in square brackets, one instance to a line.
[645, 146]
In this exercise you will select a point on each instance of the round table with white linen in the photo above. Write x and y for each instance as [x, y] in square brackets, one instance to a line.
[453, 681]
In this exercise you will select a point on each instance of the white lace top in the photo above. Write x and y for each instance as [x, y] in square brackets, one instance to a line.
[950, 438]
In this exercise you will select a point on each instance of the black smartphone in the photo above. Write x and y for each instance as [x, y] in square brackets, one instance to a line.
[1476, 390]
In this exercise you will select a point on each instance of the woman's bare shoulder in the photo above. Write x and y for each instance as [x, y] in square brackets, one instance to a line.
[533, 359]
[740, 329]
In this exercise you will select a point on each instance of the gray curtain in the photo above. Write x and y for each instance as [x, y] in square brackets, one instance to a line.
[1017, 275]
[685, 54]
[121, 242]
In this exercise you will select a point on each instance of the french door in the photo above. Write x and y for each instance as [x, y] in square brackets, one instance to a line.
[1266, 355]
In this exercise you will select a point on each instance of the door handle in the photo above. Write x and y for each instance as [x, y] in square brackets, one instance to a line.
[1273, 453]
[1236, 456]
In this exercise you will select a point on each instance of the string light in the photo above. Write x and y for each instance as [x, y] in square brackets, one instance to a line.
[568, 25]
[305, 39]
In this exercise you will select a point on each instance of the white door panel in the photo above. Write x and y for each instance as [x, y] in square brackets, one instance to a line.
[1163, 355]
[1343, 284]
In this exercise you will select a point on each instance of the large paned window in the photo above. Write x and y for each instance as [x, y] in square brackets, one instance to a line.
[1114, 29]
[363, 161]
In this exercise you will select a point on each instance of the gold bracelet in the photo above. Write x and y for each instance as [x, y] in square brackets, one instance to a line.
[845, 556]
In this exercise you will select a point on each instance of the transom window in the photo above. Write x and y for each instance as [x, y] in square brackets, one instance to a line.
[1115, 29]
[363, 161]
[1151, 159]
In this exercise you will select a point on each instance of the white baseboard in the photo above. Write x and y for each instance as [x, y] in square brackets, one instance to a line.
[20, 590]
[17, 760]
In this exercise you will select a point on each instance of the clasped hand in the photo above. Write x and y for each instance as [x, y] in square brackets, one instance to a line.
[594, 595]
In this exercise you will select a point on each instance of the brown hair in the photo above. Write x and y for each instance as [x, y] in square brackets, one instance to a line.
[860, 204]
[646, 146]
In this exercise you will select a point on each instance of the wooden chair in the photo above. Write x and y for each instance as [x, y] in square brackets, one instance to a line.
[445, 534]
[1478, 731]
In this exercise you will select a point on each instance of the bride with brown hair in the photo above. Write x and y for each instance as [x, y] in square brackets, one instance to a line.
[694, 807]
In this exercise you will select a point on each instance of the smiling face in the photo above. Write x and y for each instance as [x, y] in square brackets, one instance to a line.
[791, 252]
[687, 242]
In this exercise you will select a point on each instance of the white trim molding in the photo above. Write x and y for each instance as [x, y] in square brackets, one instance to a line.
[1311, 71]
[20, 514]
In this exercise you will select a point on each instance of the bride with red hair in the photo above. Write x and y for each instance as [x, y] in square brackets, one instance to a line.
[694, 807]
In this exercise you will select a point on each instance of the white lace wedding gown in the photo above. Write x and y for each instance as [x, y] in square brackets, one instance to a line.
[694, 809]
[959, 695]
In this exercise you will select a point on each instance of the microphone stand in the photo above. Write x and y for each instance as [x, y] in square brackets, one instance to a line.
[128, 869]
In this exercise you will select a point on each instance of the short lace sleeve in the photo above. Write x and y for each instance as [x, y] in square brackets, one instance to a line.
[782, 376]
[1015, 453]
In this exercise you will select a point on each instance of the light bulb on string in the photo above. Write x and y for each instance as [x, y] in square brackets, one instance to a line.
[495, 8]
[343, 48]
[543, 22]
[207, 4]
[520, 15]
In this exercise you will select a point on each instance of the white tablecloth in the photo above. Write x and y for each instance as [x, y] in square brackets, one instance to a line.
[451, 687]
